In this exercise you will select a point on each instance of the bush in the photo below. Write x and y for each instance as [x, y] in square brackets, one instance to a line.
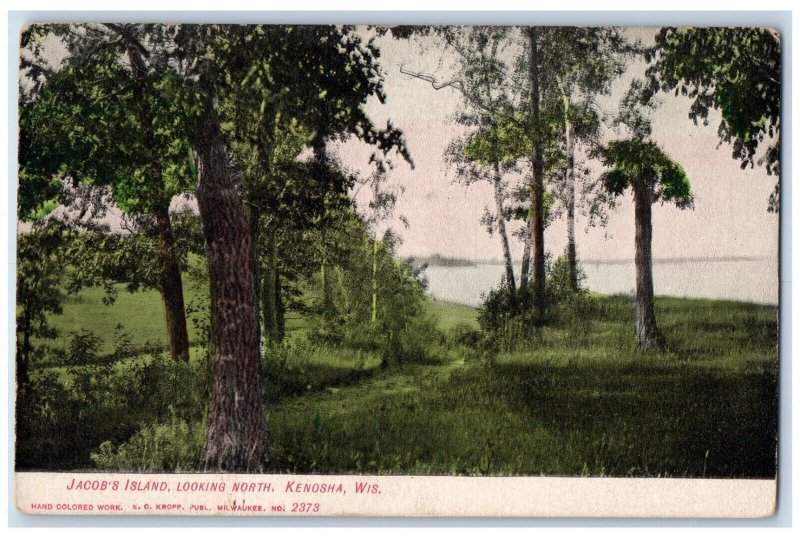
[63, 412]
[464, 334]
[83, 348]
[566, 304]
[173, 446]
[514, 324]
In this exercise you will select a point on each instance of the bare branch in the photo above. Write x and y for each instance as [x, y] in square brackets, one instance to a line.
[455, 83]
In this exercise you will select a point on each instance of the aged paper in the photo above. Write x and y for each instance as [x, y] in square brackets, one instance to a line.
[503, 271]
[406, 496]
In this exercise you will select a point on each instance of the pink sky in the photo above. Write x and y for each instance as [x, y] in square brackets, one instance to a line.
[729, 218]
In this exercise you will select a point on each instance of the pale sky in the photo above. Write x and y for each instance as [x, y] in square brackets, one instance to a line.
[730, 216]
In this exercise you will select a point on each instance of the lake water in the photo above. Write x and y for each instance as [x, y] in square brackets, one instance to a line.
[748, 280]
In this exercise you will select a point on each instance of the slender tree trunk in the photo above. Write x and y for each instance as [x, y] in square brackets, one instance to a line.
[24, 353]
[280, 311]
[525, 269]
[569, 181]
[327, 290]
[270, 308]
[171, 288]
[374, 318]
[236, 439]
[170, 278]
[537, 178]
[644, 310]
[501, 228]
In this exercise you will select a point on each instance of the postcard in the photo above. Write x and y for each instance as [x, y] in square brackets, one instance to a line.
[331, 270]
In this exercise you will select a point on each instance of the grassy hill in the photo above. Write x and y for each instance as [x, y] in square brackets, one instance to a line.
[576, 399]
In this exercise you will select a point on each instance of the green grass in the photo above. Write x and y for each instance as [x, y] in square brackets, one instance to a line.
[451, 314]
[581, 400]
[140, 314]
[577, 398]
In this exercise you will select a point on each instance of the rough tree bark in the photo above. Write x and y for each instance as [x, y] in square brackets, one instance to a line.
[501, 229]
[236, 439]
[170, 279]
[537, 177]
[647, 336]
[171, 284]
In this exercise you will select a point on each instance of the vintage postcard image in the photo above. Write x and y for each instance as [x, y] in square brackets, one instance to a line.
[321, 270]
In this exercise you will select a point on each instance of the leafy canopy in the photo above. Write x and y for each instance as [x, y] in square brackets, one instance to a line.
[735, 70]
[642, 164]
[84, 124]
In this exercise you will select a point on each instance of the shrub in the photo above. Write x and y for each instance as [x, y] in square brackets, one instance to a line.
[65, 411]
[83, 348]
[514, 324]
[566, 304]
[172, 446]
[464, 334]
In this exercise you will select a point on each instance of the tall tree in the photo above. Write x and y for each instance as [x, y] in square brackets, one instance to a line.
[93, 120]
[380, 208]
[492, 107]
[735, 70]
[312, 89]
[585, 60]
[483, 156]
[652, 176]
[537, 85]
[253, 82]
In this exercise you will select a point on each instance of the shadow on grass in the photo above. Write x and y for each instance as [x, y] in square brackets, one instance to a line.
[651, 419]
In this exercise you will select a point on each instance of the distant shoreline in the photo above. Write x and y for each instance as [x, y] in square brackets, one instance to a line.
[445, 261]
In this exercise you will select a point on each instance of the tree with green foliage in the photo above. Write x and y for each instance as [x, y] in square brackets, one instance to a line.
[252, 83]
[380, 208]
[652, 176]
[585, 61]
[540, 81]
[277, 110]
[107, 117]
[735, 70]
[487, 76]
[393, 322]
[482, 157]
[40, 264]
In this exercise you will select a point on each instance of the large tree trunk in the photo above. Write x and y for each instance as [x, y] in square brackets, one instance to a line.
[170, 279]
[236, 439]
[501, 229]
[537, 178]
[644, 310]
